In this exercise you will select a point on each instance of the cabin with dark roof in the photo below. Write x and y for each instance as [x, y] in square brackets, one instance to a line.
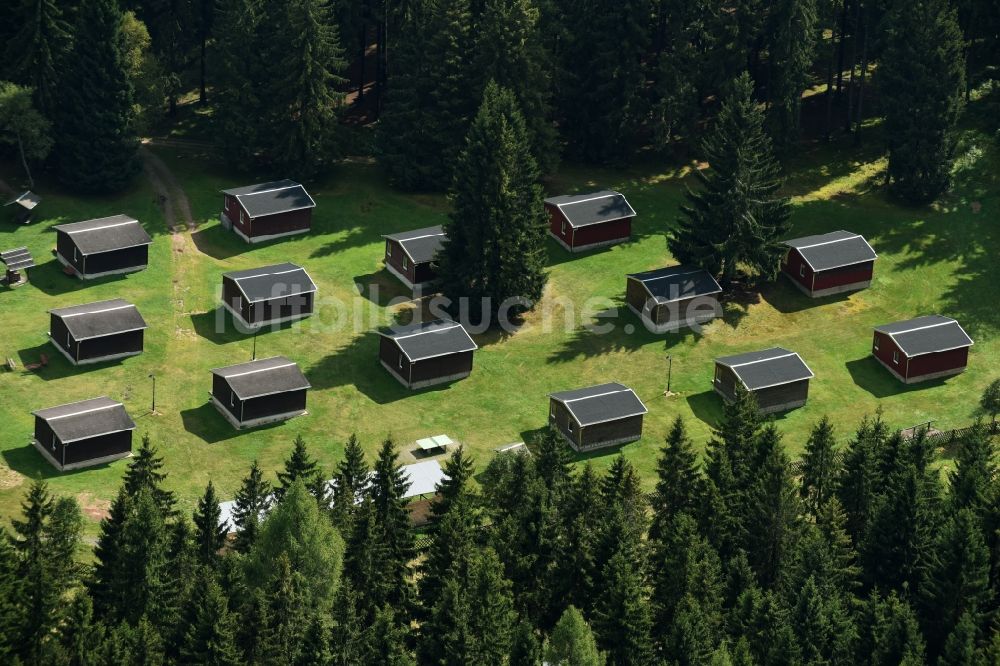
[426, 353]
[598, 416]
[778, 378]
[24, 206]
[96, 332]
[669, 299]
[828, 264]
[922, 349]
[105, 246]
[582, 222]
[268, 295]
[410, 255]
[81, 434]
[266, 211]
[259, 392]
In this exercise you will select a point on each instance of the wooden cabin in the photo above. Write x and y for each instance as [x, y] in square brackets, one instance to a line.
[581, 222]
[427, 353]
[410, 255]
[266, 211]
[96, 332]
[24, 206]
[669, 299]
[828, 264]
[259, 392]
[105, 246]
[81, 434]
[598, 416]
[922, 349]
[268, 295]
[778, 378]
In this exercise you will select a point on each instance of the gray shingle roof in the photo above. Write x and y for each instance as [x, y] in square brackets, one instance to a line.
[101, 318]
[280, 196]
[581, 210]
[424, 340]
[277, 281]
[105, 234]
[28, 200]
[85, 419]
[833, 250]
[770, 367]
[17, 259]
[601, 403]
[263, 377]
[677, 283]
[421, 245]
[926, 335]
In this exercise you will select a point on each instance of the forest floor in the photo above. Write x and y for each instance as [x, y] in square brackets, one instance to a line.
[939, 259]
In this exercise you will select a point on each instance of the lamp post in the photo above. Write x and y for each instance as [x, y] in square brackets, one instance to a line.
[153, 377]
[253, 357]
[670, 371]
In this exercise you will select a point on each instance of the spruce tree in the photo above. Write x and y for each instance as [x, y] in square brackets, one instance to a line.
[141, 584]
[240, 108]
[860, 481]
[290, 611]
[792, 41]
[80, 637]
[305, 91]
[252, 502]
[37, 50]
[94, 125]
[823, 625]
[11, 592]
[736, 218]
[892, 636]
[210, 533]
[494, 253]
[989, 402]
[492, 618]
[773, 512]
[960, 648]
[922, 82]
[386, 642]
[679, 484]
[351, 478]
[576, 565]
[971, 483]
[209, 634]
[510, 52]
[622, 619]
[819, 467]
[347, 642]
[298, 467]
[392, 522]
[145, 472]
[552, 459]
[572, 642]
[458, 471]
[525, 649]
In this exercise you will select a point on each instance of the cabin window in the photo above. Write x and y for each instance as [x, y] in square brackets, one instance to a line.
[875, 344]
[75, 257]
[53, 442]
[564, 227]
[388, 249]
[243, 216]
[895, 357]
[802, 270]
[406, 264]
[227, 203]
[400, 360]
[232, 399]
[718, 374]
[569, 426]
[68, 343]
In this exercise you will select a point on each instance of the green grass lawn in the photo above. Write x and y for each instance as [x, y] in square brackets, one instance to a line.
[940, 259]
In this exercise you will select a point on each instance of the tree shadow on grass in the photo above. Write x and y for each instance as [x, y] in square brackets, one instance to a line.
[871, 376]
[614, 331]
[218, 242]
[343, 239]
[207, 424]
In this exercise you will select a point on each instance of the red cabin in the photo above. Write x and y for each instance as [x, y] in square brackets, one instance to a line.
[827, 264]
[582, 222]
[267, 210]
[922, 349]
[410, 255]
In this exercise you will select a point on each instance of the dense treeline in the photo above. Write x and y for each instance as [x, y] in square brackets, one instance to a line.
[862, 554]
[595, 80]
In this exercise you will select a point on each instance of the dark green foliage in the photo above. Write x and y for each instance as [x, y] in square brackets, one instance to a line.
[572, 642]
[860, 479]
[458, 471]
[892, 636]
[622, 619]
[792, 40]
[95, 138]
[430, 99]
[820, 468]
[525, 648]
[210, 534]
[392, 525]
[39, 41]
[241, 106]
[823, 625]
[510, 52]
[352, 476]
[922, 80]
[576, 566]
[10, 598]
[139, 586]
[299, 467]
[252, 502]
[602, 102]
[495, 253]
[679, 484]
[989, 402]
[736, 218]
[209, 631]
[553, 459]
[773, 511]
[972, 481]
[144, 472]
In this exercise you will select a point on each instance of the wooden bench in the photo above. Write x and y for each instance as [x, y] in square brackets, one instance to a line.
[11, 364]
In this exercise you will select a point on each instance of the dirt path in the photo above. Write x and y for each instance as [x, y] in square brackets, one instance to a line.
[172, 197]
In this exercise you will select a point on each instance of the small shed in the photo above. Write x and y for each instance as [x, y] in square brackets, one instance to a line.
[24, 206]
[778, 378]
[582, 222]
[427, 353]
[16, 261]
[269, 294]
[921, 349]
[95, 332]
[598, 416]
[669, 299]
[105, 246]
[260, 392]
[827, 264]
[81, 434]
[410, 255]
[265, 211]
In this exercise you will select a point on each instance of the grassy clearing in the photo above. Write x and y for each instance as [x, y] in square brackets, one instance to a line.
[931, 260]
